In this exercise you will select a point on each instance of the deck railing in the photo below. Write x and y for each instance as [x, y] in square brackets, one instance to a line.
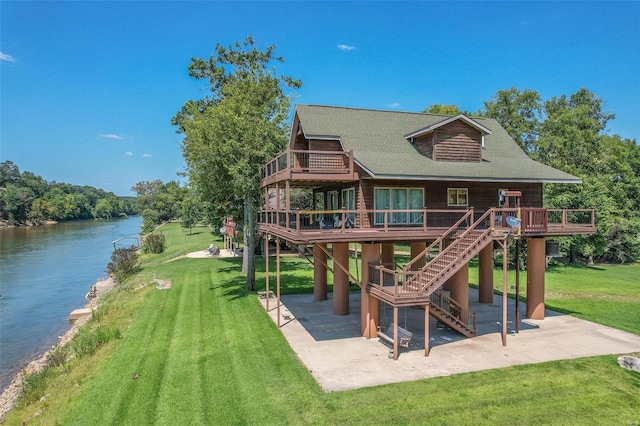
[534, 221]
[307, 161]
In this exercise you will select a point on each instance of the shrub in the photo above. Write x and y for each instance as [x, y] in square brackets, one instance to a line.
[154, 243]
[87, 342]
[124, 262]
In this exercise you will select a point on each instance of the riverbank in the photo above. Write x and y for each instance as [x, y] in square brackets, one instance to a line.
[12, 392]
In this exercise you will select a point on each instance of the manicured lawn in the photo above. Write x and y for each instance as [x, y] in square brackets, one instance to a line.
[606, 294]
[205, 352]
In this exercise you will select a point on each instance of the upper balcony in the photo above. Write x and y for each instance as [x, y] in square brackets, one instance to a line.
[305, 165]
[316, 226]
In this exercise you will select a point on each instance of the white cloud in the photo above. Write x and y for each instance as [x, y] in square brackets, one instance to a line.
[128, 153]
[6, 57]
[111, 136]
[346, 47]
[394, 105]
[147, 155]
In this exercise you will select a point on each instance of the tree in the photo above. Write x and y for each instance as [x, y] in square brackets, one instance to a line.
[444, 109]
[231, 133]
[190, 212]
[519, 112]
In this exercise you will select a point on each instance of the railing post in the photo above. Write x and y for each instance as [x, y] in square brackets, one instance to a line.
[424, 220]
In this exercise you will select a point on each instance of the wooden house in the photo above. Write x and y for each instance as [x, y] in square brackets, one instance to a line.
[445, 186]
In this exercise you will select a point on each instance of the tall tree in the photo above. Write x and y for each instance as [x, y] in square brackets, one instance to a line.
[444, 109]
[519, 112]
[231, 133]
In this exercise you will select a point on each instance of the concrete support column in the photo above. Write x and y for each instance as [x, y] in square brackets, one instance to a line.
[319, 273]
[418, 247]
[536, 263]
[459, 286]
[387, 253]
[340, 279]
[370, 309]
[485, 274]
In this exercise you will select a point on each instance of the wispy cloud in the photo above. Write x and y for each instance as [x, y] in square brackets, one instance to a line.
[128, 153]
[6, 57]
[346, 47]
[111, 136]
[394, 105]
[147, 155]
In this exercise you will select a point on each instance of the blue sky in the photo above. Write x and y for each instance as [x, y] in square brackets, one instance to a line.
[88, 89]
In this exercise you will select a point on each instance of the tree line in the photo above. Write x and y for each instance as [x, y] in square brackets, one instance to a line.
[26, 198]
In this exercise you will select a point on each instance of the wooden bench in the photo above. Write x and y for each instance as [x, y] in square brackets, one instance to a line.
[404, 336]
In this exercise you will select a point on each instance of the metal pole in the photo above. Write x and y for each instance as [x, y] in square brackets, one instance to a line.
[504, 292]
[266, 268]
[278, 280]
[517, 286]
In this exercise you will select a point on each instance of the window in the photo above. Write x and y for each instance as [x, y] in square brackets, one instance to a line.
[398, 201]
[349, 202]
[332, 200]
[457, 197]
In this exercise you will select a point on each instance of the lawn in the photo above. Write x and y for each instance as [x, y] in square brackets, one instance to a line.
[205, 352]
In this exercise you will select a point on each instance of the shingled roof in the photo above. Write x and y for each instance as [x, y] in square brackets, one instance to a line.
[380, 146]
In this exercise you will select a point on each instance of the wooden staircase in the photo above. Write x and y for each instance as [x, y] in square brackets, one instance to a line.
[416, 284]
[449, 312]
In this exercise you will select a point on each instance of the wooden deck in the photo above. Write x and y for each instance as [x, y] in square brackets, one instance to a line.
[309, 166]
[326, 226]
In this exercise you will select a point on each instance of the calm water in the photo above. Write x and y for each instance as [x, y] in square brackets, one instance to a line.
[45, 272]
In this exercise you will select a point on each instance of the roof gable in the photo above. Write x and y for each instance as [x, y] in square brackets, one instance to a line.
[482, 129]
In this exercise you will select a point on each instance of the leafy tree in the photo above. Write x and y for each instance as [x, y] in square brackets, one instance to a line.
[231, 133]
[444, 109]
[190, 213]
[160, 202]
[519, 112]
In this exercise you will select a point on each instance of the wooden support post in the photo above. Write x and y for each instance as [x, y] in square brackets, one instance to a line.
[459, 286]
[416, 248]
[266, 268]
[387, 255]
[395, 332]
[426, 330]
[319, 272]
[370, 310]
[340, 279]
[536, 262]
[277, 280]
[485, 271]
[505, 271]
[517, 261]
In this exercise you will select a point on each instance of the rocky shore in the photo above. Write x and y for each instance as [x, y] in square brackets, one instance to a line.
[12, 392]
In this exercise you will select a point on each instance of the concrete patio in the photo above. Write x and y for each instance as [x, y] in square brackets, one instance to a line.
[339, 358]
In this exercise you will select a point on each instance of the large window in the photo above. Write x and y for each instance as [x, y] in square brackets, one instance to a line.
[332, 200]
[398, 201]
[458, 197]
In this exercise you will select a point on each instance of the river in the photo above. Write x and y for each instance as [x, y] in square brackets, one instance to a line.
[45, 272]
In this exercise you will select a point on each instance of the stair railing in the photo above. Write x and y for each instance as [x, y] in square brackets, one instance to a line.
[464, 316]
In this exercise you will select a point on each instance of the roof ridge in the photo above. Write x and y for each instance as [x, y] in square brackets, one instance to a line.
[376, 110]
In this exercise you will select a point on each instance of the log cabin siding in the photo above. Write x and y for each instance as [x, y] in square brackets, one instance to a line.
[482, 195]
[324, 145]
[457, 141]
[424, 145]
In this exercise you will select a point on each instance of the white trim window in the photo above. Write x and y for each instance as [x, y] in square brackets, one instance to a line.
[332, 200]
[349, 204]
[458, 197]
[398, 201]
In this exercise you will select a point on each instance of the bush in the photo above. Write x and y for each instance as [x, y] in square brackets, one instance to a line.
[87, 342]
[124, 262]
[154, 243]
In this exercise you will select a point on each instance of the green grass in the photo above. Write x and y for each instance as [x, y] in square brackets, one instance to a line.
[606, 294]
[205, 352]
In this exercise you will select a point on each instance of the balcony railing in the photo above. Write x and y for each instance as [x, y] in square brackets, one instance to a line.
[534, 221]
[291, 162]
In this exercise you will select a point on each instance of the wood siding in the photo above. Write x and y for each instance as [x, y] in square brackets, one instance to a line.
[457, 141]
[424, 145]
[324, 145]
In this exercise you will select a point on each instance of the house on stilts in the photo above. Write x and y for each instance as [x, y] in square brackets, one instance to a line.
[449, 187]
